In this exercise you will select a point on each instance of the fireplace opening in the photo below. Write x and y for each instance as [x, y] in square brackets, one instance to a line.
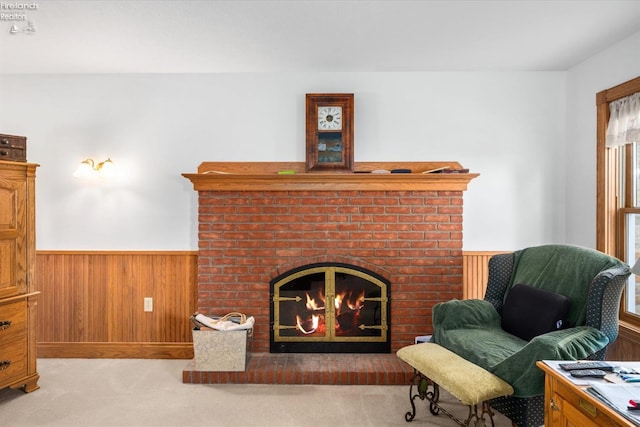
[330, 308]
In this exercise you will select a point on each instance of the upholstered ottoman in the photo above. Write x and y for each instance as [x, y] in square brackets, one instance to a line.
[436, 366]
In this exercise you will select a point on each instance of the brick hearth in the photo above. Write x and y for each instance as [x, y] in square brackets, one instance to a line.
[296, 368]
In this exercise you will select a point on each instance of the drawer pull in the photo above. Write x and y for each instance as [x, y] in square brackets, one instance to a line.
[5, 324]
[4, 364]
[588, 408]
[4, 153]
[4, 142]
[553, 405]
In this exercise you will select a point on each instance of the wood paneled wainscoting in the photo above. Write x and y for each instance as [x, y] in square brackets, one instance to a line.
[92, 304]
[475, 272]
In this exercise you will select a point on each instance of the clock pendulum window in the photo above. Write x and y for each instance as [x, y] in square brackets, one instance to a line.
[329, 132]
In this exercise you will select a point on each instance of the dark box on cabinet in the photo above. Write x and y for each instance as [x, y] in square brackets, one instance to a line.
[13, 148]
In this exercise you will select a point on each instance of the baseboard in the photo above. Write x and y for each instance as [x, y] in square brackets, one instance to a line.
[100, 350]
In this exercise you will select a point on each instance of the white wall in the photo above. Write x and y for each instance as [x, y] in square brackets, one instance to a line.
[609, 68]
[509, 127]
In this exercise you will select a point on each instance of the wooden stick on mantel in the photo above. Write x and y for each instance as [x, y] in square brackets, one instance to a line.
[263, 176]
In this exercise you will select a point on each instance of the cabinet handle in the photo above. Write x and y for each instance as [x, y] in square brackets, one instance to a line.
[4, 153]
[4, 142]
[5, 324]
[4, 364]
[588, 408]
[553, 405]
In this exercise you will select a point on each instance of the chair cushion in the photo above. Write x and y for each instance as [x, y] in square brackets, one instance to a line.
[528, 311]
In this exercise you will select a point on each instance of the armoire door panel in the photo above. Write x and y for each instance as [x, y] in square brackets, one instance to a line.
[13, 244]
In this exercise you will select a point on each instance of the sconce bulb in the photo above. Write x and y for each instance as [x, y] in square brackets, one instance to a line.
[85, 169]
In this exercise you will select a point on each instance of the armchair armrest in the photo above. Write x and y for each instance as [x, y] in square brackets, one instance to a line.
[520, 371]
[566, 344]
[456, 314]
[603, 300]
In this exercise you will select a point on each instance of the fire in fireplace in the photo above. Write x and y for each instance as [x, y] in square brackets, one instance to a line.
[329, 308]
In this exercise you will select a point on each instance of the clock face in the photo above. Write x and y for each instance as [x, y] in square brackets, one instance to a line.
[329, 118]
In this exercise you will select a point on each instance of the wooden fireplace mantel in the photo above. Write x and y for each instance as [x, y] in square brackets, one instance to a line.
[264, 176]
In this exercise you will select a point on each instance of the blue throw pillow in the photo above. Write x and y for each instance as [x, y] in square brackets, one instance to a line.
[529, 311]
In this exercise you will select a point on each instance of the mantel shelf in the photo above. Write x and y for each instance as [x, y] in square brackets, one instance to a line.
[264, 176]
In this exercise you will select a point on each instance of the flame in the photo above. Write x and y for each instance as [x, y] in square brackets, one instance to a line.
[348, 305]
[312, 304]
[315, 320]
[358, 304]
[353, 302]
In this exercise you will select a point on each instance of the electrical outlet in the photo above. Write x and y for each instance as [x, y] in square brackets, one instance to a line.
[148, 304]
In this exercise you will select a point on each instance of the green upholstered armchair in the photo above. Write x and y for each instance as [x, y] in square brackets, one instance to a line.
[473, 329]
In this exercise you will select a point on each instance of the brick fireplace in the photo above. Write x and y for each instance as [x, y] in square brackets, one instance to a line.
[255, 224]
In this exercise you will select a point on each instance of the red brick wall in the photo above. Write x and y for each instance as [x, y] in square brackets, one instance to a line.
[412, 238]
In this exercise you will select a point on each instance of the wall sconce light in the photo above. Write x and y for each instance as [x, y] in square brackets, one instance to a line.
[89, 169]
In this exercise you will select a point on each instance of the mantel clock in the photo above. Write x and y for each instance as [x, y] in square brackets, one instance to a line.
[329, 131]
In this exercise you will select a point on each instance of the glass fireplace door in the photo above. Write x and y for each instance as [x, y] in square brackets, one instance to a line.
[329, 304]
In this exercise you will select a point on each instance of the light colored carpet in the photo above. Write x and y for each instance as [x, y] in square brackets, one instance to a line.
[142, 392]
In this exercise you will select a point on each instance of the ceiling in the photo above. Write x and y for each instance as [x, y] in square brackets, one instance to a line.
[305, 35]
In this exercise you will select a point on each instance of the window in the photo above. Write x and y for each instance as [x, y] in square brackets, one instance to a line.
[631, 230]
[618, 197]
[629, 226]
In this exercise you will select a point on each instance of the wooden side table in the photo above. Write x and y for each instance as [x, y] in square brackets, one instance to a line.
[568, 404]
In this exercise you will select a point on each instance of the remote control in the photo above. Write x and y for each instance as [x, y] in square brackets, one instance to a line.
[595, 364]
[595, 373]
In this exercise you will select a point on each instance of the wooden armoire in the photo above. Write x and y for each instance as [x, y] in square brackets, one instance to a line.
[17, 296]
